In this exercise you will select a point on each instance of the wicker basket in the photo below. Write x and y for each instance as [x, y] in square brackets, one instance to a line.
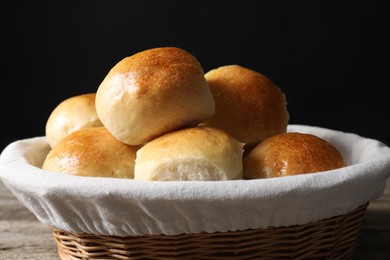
[307, 216]
[331, 238]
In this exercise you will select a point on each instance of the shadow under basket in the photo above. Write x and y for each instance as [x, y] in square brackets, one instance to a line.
[331, 238]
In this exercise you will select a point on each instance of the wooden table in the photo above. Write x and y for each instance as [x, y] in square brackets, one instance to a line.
[22, 236]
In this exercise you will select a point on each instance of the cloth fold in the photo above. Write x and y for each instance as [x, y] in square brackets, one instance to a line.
[123, 207]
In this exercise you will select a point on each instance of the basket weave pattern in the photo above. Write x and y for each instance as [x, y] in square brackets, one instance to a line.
[331, 238]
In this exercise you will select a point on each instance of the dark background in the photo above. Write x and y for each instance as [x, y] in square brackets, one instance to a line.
[331, 59]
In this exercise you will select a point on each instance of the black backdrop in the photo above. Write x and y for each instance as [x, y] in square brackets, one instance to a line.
[330, 59]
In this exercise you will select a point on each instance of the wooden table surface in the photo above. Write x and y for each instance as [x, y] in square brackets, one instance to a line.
[22, 236]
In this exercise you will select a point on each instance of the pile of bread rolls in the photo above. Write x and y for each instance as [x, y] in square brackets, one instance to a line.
[157, 116]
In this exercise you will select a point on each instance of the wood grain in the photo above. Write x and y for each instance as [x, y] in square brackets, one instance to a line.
[22, 236]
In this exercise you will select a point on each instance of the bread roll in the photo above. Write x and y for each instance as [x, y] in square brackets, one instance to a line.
[191, 154]
[249, 106]
[289, 154]
[70, 115]
[92, 152]
[153, 92]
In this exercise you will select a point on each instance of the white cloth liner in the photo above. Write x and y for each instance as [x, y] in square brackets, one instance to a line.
[122, 207]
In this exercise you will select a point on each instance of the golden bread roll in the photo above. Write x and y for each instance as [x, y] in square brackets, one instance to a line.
[190, 154]
[290, 154]
[70, 115]
[153, 92]
[249, 106]
[92, 152]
